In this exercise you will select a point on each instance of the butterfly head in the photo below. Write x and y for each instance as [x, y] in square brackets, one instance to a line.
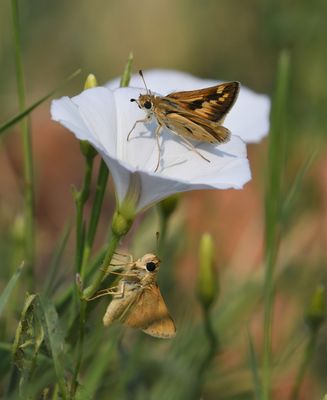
[146, 268]
[145, 101]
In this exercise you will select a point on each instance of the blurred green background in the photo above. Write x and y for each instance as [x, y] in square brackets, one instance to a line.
[225, 40]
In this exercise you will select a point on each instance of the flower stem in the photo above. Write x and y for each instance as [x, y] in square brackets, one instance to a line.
[27, 147]
[95, 214]
[213, 348]
[80, 200]
[211, 336]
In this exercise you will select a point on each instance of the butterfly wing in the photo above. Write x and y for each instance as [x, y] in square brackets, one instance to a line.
[150, 314]
[196, 128]
[212, 103]
[120, 305]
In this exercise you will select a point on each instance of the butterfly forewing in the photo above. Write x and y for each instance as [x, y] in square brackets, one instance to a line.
[212, 103]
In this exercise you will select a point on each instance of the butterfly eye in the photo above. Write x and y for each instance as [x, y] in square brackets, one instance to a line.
[150, 266]
[147, 105]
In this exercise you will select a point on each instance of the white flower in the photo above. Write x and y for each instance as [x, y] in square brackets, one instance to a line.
[104, 116]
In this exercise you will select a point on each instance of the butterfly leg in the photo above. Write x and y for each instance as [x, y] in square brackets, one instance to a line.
[137, 122]
[114, 290]
[157, 133]
[191, 147]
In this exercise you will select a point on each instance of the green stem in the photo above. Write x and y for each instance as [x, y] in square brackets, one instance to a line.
[307, 357]
[213, 348]
[212, 338]
[27, 147]
[80, 200]
[95, 215]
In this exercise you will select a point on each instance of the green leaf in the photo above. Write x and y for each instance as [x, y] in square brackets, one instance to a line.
[54, 339]
[4, 297]
[28, 110]
[28, 339]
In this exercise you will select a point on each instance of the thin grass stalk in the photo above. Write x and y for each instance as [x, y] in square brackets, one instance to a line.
[27, 147]
[272, 212]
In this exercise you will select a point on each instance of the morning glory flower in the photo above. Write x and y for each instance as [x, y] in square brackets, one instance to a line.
[104, 116]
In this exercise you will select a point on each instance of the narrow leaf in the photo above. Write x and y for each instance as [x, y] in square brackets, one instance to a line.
[18, 117]
[4, 297]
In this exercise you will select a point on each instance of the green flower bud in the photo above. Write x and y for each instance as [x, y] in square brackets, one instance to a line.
[169, 205]
[86, 149]
[316, 311]
[121, 223]
[90, 82]
[207, 287]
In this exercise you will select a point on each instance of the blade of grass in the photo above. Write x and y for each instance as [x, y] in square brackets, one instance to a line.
[27, 147]
[276, 159]
[55, 340]
[9, 288]
[15, 119]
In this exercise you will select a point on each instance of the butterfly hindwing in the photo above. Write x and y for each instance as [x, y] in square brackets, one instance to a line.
[150, 314]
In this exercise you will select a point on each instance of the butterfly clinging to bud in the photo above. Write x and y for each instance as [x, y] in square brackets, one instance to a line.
[137, 301]
[195, 115]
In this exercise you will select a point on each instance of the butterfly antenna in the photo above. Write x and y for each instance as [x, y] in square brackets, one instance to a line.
[141, 75]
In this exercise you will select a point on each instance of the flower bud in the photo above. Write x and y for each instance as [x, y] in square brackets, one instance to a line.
[90, 82]
[121, 223]
[316, 311]
[169, 205]
[207, 289]
[87, 150]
